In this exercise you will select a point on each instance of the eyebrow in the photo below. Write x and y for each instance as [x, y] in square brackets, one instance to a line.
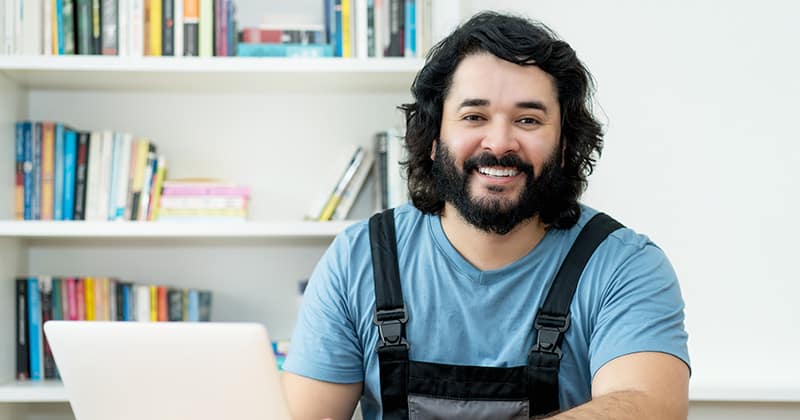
[485, 102]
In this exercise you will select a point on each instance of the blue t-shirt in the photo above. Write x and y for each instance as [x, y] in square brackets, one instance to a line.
[628, 300]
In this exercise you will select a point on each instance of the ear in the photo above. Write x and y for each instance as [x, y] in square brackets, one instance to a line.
[433, 149]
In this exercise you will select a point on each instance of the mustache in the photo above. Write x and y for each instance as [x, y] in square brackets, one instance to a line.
[488, 159]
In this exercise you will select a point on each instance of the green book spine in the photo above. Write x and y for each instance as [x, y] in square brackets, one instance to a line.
[84, 29]
[206, 38]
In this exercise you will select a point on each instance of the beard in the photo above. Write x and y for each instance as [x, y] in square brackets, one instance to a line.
[498, 215]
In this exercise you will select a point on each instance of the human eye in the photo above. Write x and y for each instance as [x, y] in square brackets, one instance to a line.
[528, 121]
[472, 118]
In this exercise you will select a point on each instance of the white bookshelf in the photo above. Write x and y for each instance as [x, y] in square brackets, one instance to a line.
[275, 125]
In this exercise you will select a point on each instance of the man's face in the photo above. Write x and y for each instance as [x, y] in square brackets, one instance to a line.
[499, 143]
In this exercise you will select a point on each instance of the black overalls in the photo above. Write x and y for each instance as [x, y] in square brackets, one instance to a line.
[419, 390]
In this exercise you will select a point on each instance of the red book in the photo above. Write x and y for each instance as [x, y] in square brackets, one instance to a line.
[162, 303]
[80, 297]
[72, 300]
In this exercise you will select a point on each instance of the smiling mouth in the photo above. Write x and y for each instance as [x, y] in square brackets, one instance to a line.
[497, 172]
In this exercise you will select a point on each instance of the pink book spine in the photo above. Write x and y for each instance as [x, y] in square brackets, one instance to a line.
[72, 306]
[80, 296]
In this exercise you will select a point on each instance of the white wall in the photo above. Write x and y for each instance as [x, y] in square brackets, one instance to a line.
[701, 153]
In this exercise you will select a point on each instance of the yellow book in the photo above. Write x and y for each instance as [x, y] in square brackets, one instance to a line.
[54, 26]
[155, 201]
[48, 164]
[347, 29]
[138, 161]
[88, 291]
[155, 27]
[105, 308]
[153, 303]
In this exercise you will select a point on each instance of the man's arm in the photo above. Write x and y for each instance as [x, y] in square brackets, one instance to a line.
[644, 385]
[310, 399]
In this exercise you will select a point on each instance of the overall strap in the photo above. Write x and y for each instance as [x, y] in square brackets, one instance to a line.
[552, 320]
[390, 316]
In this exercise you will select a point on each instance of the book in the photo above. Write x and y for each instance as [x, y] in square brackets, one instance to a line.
[83, 29]
[137, 28]
[206, 28]
[175, 304]
[156, 189]
[81, 162]
[355, 187]
[245, 49]
[123, 27]
[21, 305]
[19, 171]
[27, 170]
[35, 346]
[156, 21]
[342, 184]
[177, 28]
[191, 27]
[168, 27]
[97, 34]
[36, 202]
[47, 168]
[58, 173]
[46, 290]
[70, 169]
[68, 23]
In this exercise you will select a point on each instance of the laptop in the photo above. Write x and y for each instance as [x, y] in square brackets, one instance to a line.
[167, 370]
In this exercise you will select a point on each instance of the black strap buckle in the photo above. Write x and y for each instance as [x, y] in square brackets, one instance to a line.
[549, 329]
[391, 327]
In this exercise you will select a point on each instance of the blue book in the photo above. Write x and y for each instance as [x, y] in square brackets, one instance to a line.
[194, 306]
[58, 173]
[60, 26]
[35, 347]
[337, 27]
[284, 50]
[27, 169]
[411, 29]
[70, 158]
[37, 171]
[127, 306]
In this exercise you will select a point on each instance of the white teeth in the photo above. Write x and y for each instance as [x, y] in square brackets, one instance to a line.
[497, 171]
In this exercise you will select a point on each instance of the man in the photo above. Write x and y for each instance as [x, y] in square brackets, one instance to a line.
[500, 143]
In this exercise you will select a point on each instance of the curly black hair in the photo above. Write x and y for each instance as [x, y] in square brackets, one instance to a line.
[522, 42]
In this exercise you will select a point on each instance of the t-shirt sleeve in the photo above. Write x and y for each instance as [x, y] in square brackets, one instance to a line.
[324, 344]
[641, 311]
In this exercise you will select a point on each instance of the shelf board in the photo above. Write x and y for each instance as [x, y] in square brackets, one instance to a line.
[33, 391]
[210, 74]
[255, 230]
[53, 391]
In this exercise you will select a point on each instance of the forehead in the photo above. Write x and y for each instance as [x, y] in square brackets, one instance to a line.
[484, 76]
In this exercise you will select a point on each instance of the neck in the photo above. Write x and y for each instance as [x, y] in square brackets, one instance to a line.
[490, 251]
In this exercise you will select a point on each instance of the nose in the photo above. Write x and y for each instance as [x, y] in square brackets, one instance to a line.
[499, 138]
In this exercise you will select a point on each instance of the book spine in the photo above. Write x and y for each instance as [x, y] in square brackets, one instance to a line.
[175, 303]
[84, 26]
[137, 28]
[167, 27]
[371, 34]
[119, 301]
[381, 176]
[116, 173]
[80, 298]
[19, 172]
[36, 355]
[156, 191]
[68, 23]
[58, 27]
[57, 301]
[122, 177]
[109, 27]
[191, 23]
[97, 34]
[149, 171]
[123, 28]
[112, 299]
[410, 32]
[23, 352]
[70, 155]
[178, 28]
[155, 27]
[194, 306]
[206, 28]
[89, 298]
[93, 174]
[153, 294]
[162, 303]
[37, 171]
[204, 306]
[336, 32]
[46, 289]
[48, 164]
[362, 11]
[58, 173]
[80, 176]
[72, 298]
[27, 170]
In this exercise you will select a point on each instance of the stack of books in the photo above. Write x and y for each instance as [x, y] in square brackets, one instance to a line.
[336, 203]
[39, 299]
[202, 200]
